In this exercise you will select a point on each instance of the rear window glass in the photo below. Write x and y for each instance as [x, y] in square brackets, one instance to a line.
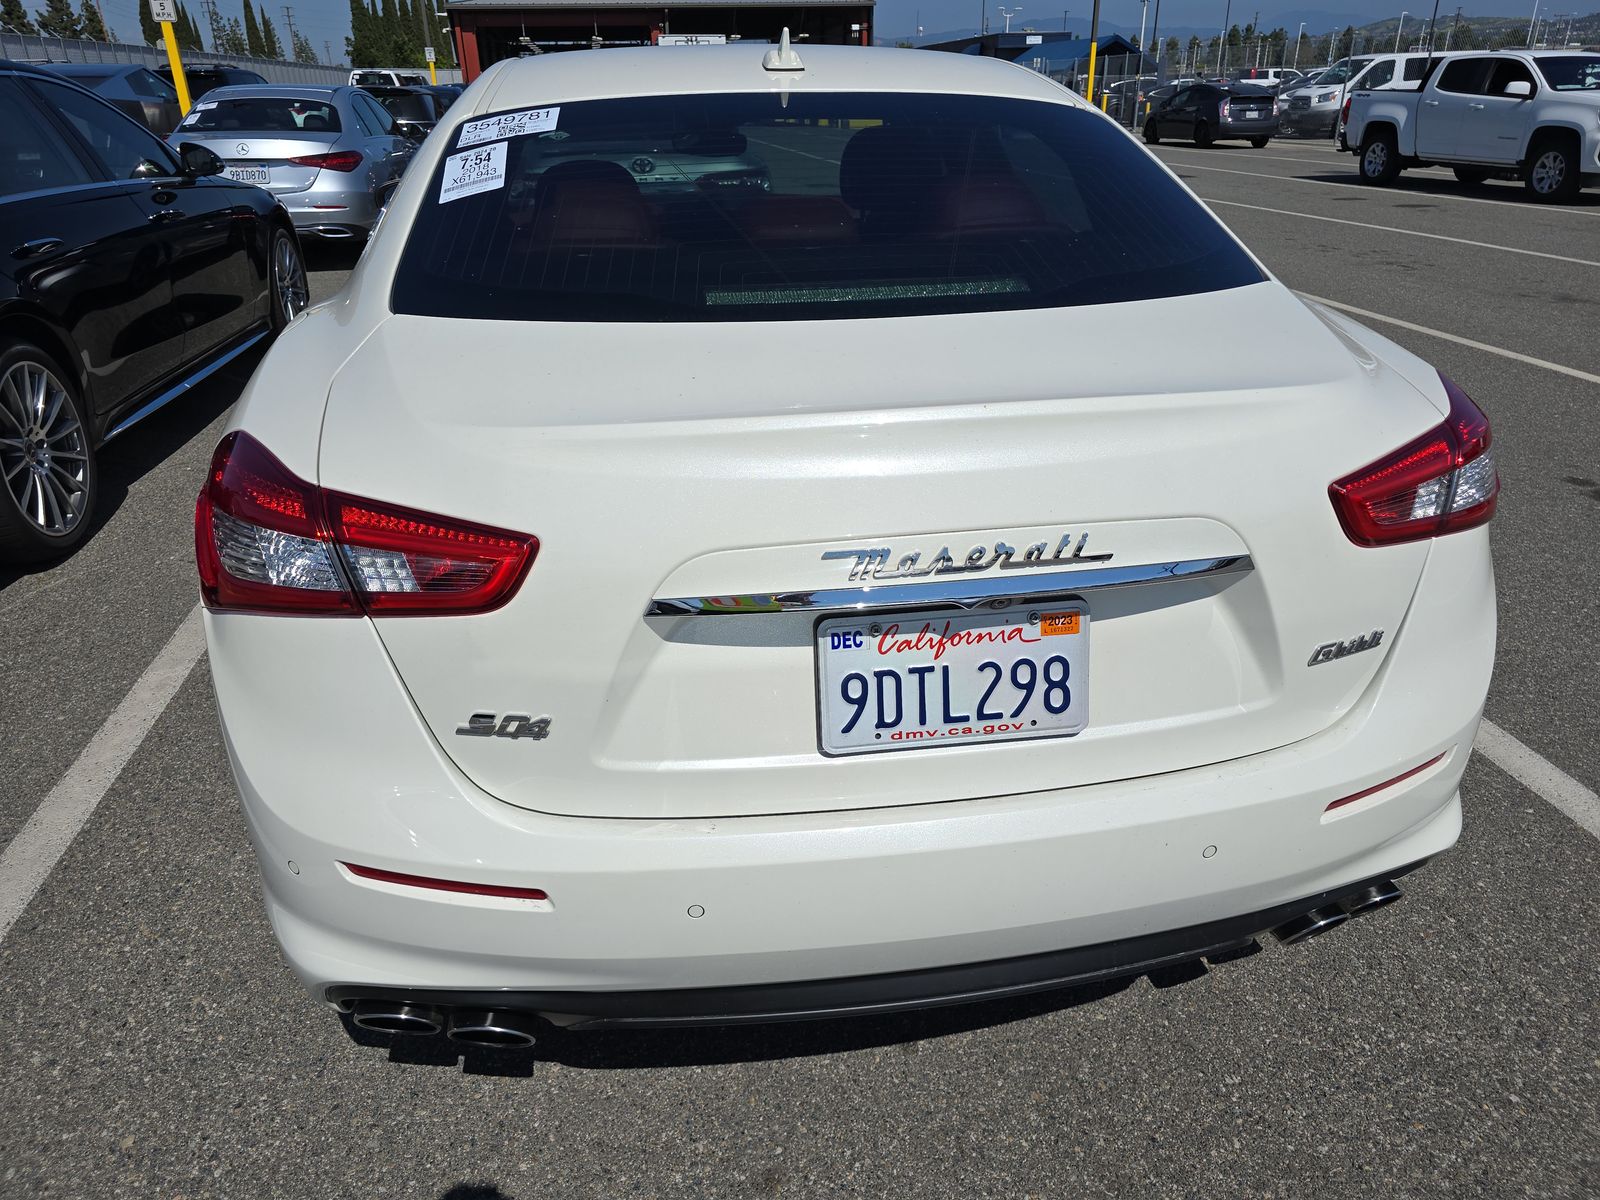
[263, 114]
[409, 106]
[762, 206]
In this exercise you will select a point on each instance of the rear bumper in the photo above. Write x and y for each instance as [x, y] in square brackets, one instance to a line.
[1309, 121]
[664, 905]
[1248, 129]
[872, 995]
[316, 212]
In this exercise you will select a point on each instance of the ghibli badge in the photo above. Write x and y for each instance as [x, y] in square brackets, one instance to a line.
[1329, 651]
[508, 726]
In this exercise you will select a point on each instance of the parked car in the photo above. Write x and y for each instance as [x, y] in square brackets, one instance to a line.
[1209, 112]
[1532, 115]
[137, 91]
[757, 682]
[415, 110]
[383, 78]
[1272, 78]
[330, 155]
[1312, 109]
[205, 77]
[444, 95]
[133, 271]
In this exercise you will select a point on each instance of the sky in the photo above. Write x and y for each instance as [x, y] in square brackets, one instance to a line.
[320, 20]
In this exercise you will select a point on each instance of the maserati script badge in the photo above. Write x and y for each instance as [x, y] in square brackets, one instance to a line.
[872, 562]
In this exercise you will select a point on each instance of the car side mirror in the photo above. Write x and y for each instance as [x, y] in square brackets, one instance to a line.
[1519, 89]
[199, 162]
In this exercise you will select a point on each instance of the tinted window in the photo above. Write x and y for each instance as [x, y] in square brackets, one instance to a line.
[151, 86]
[376, 113]
[1376, 75]
[263, 114]
[370, 78]
[1415, 69]
[410, 106]
[125, 148]
[739, 207]
[1508, 70]
[1571, 72]
[1466, 76]
[31, 157]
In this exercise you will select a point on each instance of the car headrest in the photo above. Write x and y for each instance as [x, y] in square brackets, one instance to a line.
[315, 123]
[889, 167]
[592, 203]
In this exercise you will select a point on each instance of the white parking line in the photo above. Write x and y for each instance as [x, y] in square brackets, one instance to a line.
[1456, 338]
[1539, 776]
[40, 844]
[1253, 155]
[1438, 237]
[1372, 191]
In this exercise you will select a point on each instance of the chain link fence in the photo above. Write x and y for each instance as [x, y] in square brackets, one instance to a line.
[38, 48]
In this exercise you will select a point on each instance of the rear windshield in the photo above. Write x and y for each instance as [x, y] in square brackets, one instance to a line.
[263, 114]
[763, 206]
[408, 106]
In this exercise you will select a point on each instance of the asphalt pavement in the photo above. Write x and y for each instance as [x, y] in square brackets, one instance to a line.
[1447, 1046]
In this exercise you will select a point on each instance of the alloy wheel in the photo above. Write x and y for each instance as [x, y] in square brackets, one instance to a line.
[289, 284]
[1549, 172]
[1375, 159]
[44, 454]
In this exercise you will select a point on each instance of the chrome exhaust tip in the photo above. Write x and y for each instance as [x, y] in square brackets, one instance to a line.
[393, 1016]
[1382, 893]
[486, 1027]
[1308, 925]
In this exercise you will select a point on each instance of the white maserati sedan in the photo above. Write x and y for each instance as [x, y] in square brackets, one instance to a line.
[843, 578]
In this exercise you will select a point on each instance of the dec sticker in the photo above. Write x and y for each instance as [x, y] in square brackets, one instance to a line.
[1057, 624]
[481, 170]
[508, 125]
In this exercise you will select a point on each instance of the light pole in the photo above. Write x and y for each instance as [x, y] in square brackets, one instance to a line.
[1297, 38]
[1008, 13]
[1397, 30]
[1531, 20]
[1222, 42]
[1144, 11]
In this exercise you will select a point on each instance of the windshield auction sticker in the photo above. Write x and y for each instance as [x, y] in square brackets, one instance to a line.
[508, 125]
[481, 170]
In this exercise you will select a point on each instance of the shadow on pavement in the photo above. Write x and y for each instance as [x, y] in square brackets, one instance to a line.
[129, 457]
[621, 1050]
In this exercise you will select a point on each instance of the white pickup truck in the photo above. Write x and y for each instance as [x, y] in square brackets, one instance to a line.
[1512, 114]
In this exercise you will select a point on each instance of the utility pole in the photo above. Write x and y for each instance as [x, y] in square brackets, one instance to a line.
[214, 20]
[1222, 42]
[1155, 36]
[288, 19]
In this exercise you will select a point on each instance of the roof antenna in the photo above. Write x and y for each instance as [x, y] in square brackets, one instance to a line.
[783, 58]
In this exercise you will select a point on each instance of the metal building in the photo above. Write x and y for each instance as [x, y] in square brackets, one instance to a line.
[487, 31]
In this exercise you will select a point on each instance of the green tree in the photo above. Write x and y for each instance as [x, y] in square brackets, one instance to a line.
[186, 31]
[1172, 50]
[252, 32]
[15, 18]
[304, 51]
[94, 26]
[58, 20]
[233, 40]
[271, 47]
[149, 31]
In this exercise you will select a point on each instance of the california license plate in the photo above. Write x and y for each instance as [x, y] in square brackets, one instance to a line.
[1253, 114]
[911, 680]
[257, 175]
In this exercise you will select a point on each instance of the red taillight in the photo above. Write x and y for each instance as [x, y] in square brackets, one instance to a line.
[342, 160]
[446, 885]
[1442, 482]
[1222, 109]
[267, 541]
[1344, 115]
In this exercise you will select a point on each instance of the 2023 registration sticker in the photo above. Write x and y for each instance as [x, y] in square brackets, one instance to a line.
[908, 680]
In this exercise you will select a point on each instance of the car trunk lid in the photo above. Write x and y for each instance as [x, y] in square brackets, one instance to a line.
[761, 463]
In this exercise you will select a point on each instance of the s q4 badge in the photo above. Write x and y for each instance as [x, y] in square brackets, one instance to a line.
[1329, 651]
[508, 726]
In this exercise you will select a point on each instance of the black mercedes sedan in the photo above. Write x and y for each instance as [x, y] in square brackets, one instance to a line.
[128, 273]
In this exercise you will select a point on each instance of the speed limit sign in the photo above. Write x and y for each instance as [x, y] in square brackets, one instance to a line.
[164, 10]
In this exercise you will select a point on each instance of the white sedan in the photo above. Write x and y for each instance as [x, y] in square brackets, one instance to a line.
[858, 581]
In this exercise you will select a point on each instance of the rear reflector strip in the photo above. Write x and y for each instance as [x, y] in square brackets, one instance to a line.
[449, 885]
[1362, 795]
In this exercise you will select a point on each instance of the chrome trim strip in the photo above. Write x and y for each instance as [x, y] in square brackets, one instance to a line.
[183, 386]
[960, 593]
